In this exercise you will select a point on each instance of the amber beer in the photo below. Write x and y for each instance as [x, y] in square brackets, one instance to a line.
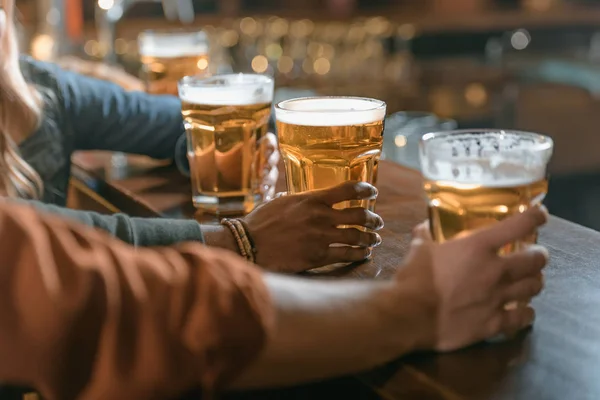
[326, 141]
[477, 178]
[169, 56]
[225, 116]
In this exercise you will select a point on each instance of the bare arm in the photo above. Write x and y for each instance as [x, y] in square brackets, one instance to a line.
[326, 329]
[84, 316]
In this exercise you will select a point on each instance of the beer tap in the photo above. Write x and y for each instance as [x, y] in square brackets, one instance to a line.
[52, 29]
[109, 12]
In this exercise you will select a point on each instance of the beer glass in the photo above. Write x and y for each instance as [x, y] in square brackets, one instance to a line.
[325, 141]
[225, 116]
[474, 178]
[168, 56]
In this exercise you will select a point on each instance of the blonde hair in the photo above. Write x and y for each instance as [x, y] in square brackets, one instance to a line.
[20, 115]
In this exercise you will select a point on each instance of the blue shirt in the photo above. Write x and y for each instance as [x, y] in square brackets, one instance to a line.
[83, 113]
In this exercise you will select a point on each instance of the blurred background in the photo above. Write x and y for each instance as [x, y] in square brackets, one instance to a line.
[525, 64]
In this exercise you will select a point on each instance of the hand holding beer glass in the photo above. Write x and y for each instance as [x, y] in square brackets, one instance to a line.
[169, 56]
[326, 141]
[474, 178]
[225, 118]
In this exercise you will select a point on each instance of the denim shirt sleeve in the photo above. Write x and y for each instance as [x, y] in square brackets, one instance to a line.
[106, 117]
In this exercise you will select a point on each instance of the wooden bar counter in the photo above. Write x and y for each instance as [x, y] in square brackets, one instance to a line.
[558, 359]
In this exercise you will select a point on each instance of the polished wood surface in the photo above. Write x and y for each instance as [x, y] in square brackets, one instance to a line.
[557, 359]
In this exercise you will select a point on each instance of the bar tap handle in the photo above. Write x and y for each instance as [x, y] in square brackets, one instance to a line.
[186, 11]
[179, 10]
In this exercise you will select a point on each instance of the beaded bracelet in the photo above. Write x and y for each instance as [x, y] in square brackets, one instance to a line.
[242, 238]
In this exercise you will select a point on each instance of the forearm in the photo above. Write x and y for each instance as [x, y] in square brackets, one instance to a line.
[327, 329]
[141, 232]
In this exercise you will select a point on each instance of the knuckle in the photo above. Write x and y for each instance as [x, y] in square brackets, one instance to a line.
[327, 216]
[314, 216]
[315, 255]
[354, 236]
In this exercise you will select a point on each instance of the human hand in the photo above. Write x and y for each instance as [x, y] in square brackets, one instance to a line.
[294, 233]
[267, 165]
[470, 292]
[229, 166]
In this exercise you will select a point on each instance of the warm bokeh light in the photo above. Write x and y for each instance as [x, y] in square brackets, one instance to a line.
[278, 28]
[260, 64]
[302, 28]
[229, 38]
[274, 51]
[202, 64]
[285, 65]
[314, 49]
[400, 141]
[476, 94]
[42, 47]
[92, 48]
[248, 26]
[322, 66]
[307, 66]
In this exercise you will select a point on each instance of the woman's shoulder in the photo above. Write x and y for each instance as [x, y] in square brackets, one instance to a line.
[39, 73]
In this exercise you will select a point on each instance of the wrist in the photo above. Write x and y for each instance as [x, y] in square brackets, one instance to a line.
[408, 314]
[220, 236]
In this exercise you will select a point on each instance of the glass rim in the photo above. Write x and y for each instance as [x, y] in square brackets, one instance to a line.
[281, 105]
[202, 80]
[543, 142]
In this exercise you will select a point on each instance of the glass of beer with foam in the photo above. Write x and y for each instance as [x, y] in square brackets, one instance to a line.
[225, 117]
[168, 56]
[474, 178]
[326, 141]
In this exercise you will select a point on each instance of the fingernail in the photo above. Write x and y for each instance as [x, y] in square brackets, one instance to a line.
[380, 223]
[536, 248]
[378, 240]
[366, 189]
[545, 212]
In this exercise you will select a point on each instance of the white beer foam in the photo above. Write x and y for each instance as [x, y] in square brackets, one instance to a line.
[172, 45]
[490, 178]
[330, 111]
[229, 90]
[173, 51]
[492, 159]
